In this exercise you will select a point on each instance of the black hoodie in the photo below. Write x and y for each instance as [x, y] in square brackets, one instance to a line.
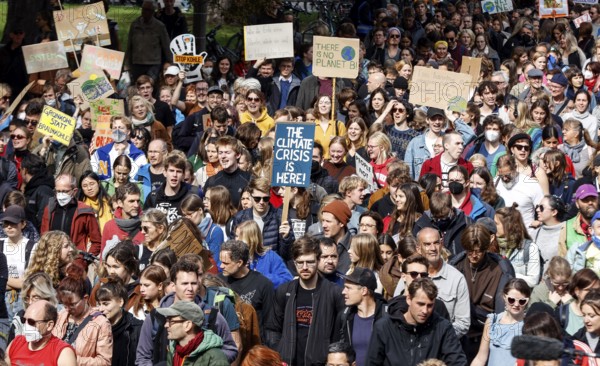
[171, 205]
[126, 334]
[38, 191]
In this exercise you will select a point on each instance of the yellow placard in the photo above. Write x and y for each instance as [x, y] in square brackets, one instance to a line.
[56, 124]
[335, 57]
[190, 60]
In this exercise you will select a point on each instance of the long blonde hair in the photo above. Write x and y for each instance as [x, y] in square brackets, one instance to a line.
[46, 257]
[366, 248]
[250, 234]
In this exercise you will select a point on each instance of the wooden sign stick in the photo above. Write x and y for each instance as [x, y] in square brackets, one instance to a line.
[333, 104]
[286, 203]
[74, 52]
[17, 100]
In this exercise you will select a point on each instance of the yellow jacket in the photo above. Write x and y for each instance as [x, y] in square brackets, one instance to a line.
[324, 137]
[264, 122]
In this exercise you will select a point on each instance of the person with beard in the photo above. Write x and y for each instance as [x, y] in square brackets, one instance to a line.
[39, 188]
[328, 262]
[126, 224]
[518, 188]
[334, 219]
[577, 230]
[169, 195]
[395, 336]
[306, 309]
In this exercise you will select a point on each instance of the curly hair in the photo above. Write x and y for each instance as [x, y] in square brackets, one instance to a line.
[46, 257]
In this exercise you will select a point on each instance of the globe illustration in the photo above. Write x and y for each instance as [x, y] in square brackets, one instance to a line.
[348, 53]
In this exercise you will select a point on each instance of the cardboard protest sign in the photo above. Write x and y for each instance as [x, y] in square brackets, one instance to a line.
[365, 171]
[335, 57]
[292, 157]
[496, 6]
[471, 66]
[81, 22]
[91, 86]
[268, 41]
[181, 240]
[584, 18]
[56, 124]
[184, 55]
[102, 111]
[106, 107]
[45, 56]
[439, 89]
[553, 8]
[97, 58]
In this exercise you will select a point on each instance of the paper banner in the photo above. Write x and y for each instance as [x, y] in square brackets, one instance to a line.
[91, 86]
[81, 22]
[56, 124]
[45, 56]
[97, 58]
[496, 6]
[439, 89]
[102, 111]
[553, 8]
[584, 18]
[588, 2]
[183, 48]
[471, 66]
[292, 157]
[365, 171]
[268, 41]
[335, 57]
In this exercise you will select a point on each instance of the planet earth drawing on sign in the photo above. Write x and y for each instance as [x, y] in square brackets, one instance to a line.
[489, 7]
[348, 53]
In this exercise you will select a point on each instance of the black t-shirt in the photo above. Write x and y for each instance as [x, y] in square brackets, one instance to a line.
[157, 180]
[304, 316]
[256, 290]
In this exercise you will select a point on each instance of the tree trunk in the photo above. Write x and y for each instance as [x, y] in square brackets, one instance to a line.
[200, 19]
[22, 13]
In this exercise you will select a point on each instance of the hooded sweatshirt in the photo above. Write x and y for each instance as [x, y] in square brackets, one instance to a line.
[170, 205]
[264, 121]
[208, 353]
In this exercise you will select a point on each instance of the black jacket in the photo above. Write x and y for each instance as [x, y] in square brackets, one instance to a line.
[38, 191]
[395, 342]
[347, 318]
[126, 334]
[327, 303]
[185, 132]
[170, 205]
[451, 233]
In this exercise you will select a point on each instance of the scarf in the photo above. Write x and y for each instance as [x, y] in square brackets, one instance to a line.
[581, 116]
[181, 352]
[128, 225]
[586, 228]
[146, 122]
[574, 151]
[205, 225]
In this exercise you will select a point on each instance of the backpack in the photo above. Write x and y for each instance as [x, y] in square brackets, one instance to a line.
[526, 257]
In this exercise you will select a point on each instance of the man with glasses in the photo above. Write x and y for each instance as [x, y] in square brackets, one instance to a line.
[558, 86]
[38, 346]
[305, 309]
[252, 287]
[33, 113]
[455, 48]
[486, 274]
[152, 174]
[189, 343]
[285, 87]
[276, 233]
[376, 51]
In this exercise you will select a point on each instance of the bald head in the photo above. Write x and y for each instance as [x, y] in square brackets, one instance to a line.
[376, 80]
[428, 234]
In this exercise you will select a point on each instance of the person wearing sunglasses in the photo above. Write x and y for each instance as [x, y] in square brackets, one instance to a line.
[277, 234]
[21, 140]
[501, 328]
[39, 345]
[487, 273]
[256, 111]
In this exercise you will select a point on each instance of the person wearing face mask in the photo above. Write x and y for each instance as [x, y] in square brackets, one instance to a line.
[66, 214]
[39, 346]
[490, 147]
[460, 189]
[49, 93]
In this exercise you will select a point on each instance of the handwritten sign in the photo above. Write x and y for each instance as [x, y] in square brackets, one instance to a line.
[439, 89]
[553, 8]
[81, 22]
[335, 57]
[97, 58]
[471, 66]
[102, 111]
[365, 171]
[183, 48]
[269, 41]
[56, 124]
[584, 18]
[91, 86]
[496, 6]
[589, 2]
[45, 56]
[181, 240]
[292, 157]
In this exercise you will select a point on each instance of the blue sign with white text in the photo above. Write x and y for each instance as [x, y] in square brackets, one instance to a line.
[292, 155]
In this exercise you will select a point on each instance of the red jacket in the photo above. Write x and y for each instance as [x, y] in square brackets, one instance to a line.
[84, 227]
[434, 165]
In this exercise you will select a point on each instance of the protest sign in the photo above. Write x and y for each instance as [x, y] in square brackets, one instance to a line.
[183, 48]
[496, 6]
[45, 56]
[584, 18]
[292, 157]
[472, 67]
[97, 58]
[56, 124]
[268, 41]
[365, 171]
[440, 89]
[181, 240]
[553, 8]
[588, 2]
[74, 25]
[91, 86]
[101, 112]
[335, 57]
[106, 107]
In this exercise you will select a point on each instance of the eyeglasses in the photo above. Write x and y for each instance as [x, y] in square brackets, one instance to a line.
[522, 147]
[171, 321]
[366, 226]
[394, 36]
[145, 229]
[31, 299]
[257, 199]
[415, 274]
[450, 39]
[31, 122]
[253, 99]
[560, 284]
[138, 137]
[400, 110]
[32, 322]
[309, 264]
[17, 137]
[371, 147]
[512, 300]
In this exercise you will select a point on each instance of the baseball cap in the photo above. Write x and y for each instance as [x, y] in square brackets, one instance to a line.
[585, 191]
[215, 89]
[362, 276]
[14, 214]
[172, 70]
[434, 112]
[186, 309]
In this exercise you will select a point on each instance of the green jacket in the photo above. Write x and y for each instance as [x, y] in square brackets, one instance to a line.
[207, 354]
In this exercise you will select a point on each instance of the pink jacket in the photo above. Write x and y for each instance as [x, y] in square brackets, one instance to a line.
[94, 343]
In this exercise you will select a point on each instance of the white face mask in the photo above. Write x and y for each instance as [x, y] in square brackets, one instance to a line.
[207, 70]
[21, 116]
[51, 102]
[491, 135]
[31, 333]
[587, 74]
[63, 199]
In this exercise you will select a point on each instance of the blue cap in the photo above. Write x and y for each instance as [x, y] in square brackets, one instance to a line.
[560, 79]
[596, 216]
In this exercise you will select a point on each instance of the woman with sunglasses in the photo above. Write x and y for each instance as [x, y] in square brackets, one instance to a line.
[256, 111]
[21, 138]
[140, 137]
[569, 314]
[551, 212]
[553, 289]
[79, 324]
[93, 194]
[519, 146]
[112, 296]
[192, 207]
[155, 230]
[500, 329]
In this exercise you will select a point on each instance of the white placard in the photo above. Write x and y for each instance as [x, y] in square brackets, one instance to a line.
[268, 41]
[365, 171]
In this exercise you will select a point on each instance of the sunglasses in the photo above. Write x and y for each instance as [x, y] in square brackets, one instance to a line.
[400, 110]
[17, 137]
[415, 274]
[258, 199]
[138, 137]
[539, 207]
[32, 322]
[394, 36]
[522, 147]
[145, 229]
[253, 99]
[522, 302]
[32, 122]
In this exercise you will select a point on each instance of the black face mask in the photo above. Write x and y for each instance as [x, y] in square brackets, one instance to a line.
[456, 187]
[444, 223]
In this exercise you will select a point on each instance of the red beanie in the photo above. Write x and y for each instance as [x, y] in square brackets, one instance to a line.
[340, 210]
